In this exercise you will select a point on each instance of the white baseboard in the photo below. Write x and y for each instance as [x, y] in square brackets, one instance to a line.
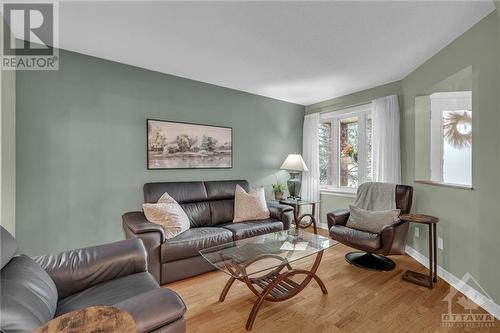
[473, 294]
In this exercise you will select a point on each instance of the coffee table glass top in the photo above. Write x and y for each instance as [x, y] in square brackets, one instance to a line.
[262, 253]
[298, 202]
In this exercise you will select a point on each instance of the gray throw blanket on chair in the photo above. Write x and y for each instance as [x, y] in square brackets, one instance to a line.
[376, 196]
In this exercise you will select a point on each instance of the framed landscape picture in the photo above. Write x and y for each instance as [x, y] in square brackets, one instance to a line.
[177, 145]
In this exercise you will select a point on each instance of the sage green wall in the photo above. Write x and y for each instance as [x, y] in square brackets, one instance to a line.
[330, 202]
[81, 144]
[7, 147]
[422, 123]
[460, 81]
[469, 224]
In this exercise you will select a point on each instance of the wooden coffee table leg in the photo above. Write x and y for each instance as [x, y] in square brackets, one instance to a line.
[313, 214]
[255, 310]
[321, 284]
[237, 270]
[228, 285]
[282, 288]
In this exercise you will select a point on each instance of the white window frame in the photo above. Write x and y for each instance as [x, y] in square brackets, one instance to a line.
[335, 117]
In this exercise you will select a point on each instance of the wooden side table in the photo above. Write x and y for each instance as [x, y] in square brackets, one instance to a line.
[419, 278]
[102, 319]
[297, 217]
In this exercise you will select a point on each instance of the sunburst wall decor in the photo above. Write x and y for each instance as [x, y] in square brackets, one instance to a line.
[457, 128]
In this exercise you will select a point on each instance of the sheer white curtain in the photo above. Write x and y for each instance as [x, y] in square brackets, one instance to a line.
[386, 140]
[310, 153]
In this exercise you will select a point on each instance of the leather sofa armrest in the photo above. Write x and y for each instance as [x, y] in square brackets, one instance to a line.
[154, 309]
[284, 213]
[135, 225]
[287, 218]
[76, 270]
[337, 217]
[394, 238]
[138, 224]
[276, 210]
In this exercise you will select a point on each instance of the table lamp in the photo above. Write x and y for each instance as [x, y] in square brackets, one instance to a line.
[294, 164]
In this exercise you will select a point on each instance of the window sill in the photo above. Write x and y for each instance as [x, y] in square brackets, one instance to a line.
[340, 192]
[430, 182]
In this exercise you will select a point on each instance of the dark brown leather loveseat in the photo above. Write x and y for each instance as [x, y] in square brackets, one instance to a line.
[35, 290]
[209, 206]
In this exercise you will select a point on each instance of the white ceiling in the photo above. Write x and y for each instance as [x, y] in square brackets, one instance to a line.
[302, 52]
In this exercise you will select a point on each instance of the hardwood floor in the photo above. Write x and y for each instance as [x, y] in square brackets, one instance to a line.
[358, 301]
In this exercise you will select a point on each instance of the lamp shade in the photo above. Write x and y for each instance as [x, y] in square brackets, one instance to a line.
[294, 162]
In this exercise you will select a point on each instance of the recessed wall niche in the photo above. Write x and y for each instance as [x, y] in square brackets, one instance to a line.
[444, 131]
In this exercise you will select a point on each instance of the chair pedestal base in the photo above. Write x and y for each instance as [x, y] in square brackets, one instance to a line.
[371, 261]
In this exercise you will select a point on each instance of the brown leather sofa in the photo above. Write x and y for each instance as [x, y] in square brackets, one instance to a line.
[374, 247]
[35, 290]
[210, 208]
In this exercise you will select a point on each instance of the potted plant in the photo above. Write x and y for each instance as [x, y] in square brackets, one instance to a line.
[279, 191]
[349, 151]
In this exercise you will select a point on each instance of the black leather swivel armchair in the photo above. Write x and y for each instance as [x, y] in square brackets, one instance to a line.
[374, 247]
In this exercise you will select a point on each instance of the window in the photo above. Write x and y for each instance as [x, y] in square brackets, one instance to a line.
[345, 148]
[451, 137]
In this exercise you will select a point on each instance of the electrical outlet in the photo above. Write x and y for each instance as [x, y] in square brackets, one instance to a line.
[440, 243]
[417, 232]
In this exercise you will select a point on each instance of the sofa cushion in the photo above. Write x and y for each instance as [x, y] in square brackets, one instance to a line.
[182, 192]
[169, 214]
[164, 306]
[198, 213]
[109, 292]
[248, 229]
[29, 296]
[251, 205]
[359, 239]
[224, 189]
[196, 198]
[222, 211]
[187, 244]
[369, 221]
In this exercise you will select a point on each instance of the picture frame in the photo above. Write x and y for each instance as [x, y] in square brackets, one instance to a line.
[174, 145]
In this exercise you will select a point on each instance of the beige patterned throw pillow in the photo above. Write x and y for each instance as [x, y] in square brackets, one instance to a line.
[167, 213]
[250, 206]
[370, 221]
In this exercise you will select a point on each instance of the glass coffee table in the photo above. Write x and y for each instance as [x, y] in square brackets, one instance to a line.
[263, 264]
